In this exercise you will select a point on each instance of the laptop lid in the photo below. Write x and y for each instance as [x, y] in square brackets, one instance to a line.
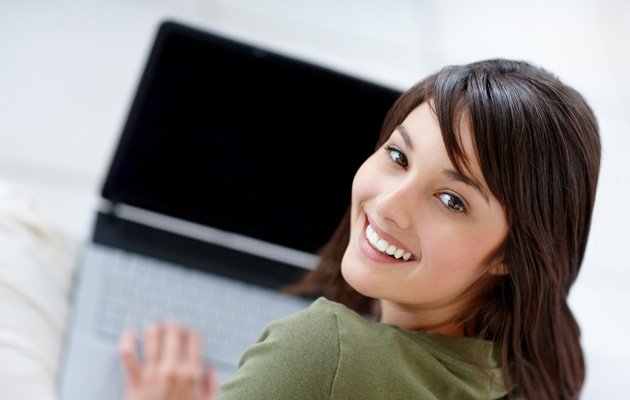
[240, 139]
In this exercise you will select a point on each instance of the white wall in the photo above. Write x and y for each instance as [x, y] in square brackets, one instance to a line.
[68, 70]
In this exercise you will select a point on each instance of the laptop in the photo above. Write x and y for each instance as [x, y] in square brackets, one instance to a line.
[233, 169]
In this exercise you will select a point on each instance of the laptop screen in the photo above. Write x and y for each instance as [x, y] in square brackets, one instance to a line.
[245, 140]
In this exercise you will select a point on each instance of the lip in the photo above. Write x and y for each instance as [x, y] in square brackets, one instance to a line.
[375, 255]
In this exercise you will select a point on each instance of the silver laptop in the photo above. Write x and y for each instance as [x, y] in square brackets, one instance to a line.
[233, 169]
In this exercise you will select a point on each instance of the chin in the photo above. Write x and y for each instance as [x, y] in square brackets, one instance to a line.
[357, 277]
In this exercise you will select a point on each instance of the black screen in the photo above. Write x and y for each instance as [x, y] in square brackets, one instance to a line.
[244, 139]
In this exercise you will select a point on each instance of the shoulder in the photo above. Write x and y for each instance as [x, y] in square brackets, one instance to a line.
[322, 325]
[295, 357]
[318, 322]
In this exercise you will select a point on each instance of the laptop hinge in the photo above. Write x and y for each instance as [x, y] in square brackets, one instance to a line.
[246, 244]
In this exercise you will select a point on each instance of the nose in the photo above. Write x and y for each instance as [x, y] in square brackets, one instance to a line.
[395, 206]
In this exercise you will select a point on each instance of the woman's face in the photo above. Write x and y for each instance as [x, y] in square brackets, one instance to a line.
[421, 234]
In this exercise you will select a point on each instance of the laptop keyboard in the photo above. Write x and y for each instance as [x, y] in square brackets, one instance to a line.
[230, 315]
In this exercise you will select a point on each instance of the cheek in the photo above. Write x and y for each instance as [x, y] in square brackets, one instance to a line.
[457, 251]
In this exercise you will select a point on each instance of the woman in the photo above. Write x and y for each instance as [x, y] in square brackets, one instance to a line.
[466, 230]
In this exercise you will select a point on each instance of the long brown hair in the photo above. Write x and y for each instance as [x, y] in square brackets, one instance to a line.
[538, 145]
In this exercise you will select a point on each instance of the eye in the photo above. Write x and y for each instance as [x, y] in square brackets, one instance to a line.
[452, 202]
[397, 156]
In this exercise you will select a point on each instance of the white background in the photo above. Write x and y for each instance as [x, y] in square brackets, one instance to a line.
[69, 69]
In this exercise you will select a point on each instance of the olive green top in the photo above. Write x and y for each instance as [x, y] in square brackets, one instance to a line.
[328, 351]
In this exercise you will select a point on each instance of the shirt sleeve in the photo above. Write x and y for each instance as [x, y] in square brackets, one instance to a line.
[295, 358]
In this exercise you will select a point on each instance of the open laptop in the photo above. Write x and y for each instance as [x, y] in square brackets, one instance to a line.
[233, 169]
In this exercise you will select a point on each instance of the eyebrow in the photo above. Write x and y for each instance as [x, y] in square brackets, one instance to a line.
[406, 138]
[456, 176]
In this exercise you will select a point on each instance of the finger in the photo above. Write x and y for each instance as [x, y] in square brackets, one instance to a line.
[211, 383]
[151, 344]
[172, 343]
[193, 349]
[131, 366]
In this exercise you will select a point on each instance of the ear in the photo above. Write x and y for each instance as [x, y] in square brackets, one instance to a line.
[498, 267]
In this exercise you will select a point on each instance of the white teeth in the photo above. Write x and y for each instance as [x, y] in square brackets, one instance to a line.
[369, 230]
[383, 245]
[373, 238]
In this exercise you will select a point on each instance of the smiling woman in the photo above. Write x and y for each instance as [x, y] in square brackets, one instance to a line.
[467, 228]
[487, 173]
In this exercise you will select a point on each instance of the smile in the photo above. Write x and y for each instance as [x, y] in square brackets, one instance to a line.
[384, 246]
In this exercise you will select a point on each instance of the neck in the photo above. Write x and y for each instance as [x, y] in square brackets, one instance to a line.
[441, 319]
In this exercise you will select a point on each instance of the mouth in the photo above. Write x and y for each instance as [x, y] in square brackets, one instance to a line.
[375, 246]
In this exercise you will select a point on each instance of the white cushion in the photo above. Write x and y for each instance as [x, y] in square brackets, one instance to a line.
[37, 263]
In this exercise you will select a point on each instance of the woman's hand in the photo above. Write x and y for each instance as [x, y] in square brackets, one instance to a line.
[172, 366]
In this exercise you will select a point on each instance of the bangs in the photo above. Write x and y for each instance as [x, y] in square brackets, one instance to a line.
[451, 116]
[467, 96]
[461, 97]
[451, 109]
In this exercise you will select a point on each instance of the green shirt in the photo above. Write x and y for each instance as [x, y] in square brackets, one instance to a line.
[330, 352]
